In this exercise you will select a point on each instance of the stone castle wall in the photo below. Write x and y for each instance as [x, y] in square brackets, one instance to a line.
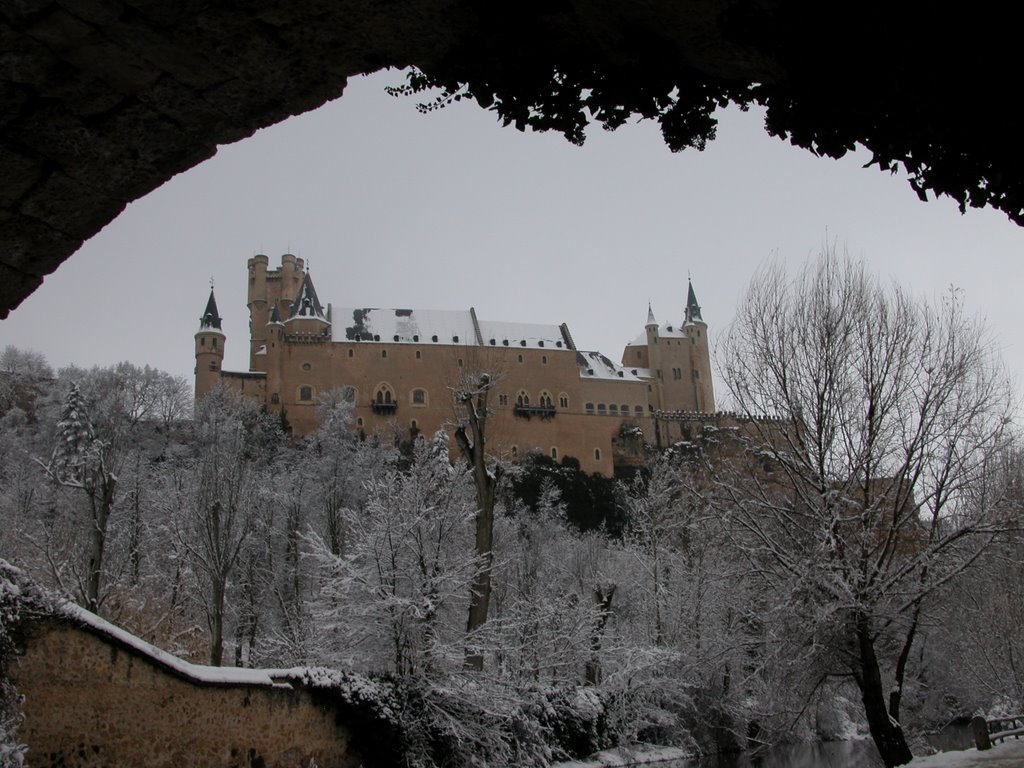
[92, 700]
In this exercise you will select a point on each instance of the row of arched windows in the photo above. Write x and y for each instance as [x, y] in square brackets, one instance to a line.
[383, 395]
[544, 399]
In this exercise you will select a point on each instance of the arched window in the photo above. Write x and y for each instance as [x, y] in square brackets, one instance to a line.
[305, 394]
[384, 400]
[597, 454]
[419, 397]
[503, 400]
[589, 407]
[600, 408]
[613, 408]
[545, 399]
[349, 394]
[523, 399]
[624, 408]
[554, 453]
[275, 399]
[515, 452]
[563, 400]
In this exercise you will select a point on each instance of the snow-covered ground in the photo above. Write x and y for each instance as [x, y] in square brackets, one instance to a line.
[1009, 754]
[1006, 755]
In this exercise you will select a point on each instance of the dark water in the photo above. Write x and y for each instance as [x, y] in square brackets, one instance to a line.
[860, 753]
[831, 754]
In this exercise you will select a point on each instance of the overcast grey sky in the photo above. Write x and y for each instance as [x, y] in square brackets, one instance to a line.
[392, 208]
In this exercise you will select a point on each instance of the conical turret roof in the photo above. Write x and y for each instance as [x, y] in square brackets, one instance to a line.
[210, 320]
[307, 304]
[692, 307]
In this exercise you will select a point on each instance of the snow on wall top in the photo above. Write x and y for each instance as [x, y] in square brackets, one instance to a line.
[437, 326]
[594, 365]
[195, 672]
[667, 331]
[528, 335]
[440, 326]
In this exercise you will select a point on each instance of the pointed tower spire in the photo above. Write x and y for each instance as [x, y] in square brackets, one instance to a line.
[650, 315]
[210, 318]
[692, 307]
[307, 304]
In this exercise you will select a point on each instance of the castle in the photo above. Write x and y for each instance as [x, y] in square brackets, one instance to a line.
[400, 366]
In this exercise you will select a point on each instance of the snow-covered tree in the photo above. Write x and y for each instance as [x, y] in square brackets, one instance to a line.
[82, 461]
[223, 500]
[854, 504]
[392, 594]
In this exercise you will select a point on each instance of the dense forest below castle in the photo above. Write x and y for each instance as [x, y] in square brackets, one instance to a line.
[736, 591]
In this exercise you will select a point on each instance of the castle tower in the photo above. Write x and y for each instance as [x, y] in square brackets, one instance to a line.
[657, 396]
[209, 349]
[700, 354]
[259, 310]
[271, 357]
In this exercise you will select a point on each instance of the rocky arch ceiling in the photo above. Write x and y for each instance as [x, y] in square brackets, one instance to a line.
[104, 100]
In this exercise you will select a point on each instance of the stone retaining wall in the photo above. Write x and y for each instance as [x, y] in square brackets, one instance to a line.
[94, 699]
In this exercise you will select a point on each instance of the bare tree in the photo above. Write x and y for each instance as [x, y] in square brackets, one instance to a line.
[885, 412]
[470, 436]
[216, 516]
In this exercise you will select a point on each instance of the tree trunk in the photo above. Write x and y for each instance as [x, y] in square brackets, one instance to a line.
[101, 504]
[480, 592]
[216, 622]
[475, 404]
[886, 732]
[603, 600]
